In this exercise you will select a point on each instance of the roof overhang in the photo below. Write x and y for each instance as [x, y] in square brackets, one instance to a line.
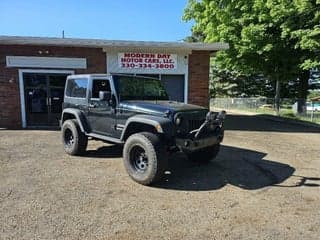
[112, 44]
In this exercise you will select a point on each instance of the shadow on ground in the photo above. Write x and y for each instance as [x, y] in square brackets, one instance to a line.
[108, 151]
[265, 124]
[242, 168]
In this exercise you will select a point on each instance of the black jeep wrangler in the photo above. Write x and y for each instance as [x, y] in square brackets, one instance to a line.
[135, 112]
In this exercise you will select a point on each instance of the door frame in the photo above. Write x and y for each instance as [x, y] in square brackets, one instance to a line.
[21, 87]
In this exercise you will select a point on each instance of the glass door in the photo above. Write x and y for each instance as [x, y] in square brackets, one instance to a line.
[43, 98]
[36, 99]
[55, 97]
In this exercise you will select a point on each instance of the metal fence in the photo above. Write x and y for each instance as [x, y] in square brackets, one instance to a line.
[288, 107]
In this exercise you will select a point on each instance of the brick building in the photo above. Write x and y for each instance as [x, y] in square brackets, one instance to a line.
[33, 72]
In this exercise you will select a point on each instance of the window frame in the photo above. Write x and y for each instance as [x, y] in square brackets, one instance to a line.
[91, 88]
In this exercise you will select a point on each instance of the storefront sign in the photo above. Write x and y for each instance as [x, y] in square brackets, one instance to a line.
[147, 61]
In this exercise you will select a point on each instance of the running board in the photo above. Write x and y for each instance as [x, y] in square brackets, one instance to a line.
[106, 138]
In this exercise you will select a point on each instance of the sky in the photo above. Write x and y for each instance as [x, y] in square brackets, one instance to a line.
[141, 20]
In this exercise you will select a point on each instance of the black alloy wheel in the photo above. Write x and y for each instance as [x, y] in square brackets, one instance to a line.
[139, 158]
[68, 138]
[74, 141]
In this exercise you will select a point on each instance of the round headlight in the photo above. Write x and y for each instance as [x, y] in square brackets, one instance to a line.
[177, 120]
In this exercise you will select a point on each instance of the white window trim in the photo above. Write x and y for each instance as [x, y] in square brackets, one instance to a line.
[21, 87]
[186, 82]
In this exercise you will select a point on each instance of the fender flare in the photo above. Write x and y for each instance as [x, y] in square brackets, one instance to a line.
[162, 125]
[79, 116]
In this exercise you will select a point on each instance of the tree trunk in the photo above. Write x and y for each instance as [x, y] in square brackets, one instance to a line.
[303, 91]
[277, 97]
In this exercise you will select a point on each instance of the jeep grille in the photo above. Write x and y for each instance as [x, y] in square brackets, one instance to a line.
[194, 124]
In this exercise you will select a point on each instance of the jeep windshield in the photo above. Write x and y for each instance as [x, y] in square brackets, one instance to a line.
[139, 88]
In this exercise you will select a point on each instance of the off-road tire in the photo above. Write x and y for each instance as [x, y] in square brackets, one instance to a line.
[74, 141]
[204, 156]
[145, 157]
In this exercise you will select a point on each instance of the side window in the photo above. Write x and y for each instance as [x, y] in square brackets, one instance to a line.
[77, 88]
[99, 85]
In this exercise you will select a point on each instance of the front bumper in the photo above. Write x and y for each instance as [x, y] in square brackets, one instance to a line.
[210, 133]
[191, 145]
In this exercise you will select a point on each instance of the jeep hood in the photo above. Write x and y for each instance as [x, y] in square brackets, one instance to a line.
[159, 107]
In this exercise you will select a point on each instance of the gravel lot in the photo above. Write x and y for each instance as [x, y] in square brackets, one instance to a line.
[264, 185]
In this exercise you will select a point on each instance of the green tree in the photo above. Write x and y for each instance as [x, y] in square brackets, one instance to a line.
[225, 83]
[304, 27]
[264, 37]
[299, 22]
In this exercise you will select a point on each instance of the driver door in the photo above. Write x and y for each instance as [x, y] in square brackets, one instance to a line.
[101, 116]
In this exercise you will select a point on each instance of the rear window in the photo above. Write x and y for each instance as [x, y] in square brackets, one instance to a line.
[77, 88]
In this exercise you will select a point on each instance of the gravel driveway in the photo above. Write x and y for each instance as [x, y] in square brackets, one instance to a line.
[263, 185]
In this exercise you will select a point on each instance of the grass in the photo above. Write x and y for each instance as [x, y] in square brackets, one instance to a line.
[284, 112]
[316, 117]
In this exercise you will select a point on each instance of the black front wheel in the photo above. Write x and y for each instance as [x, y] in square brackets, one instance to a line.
[145, 157]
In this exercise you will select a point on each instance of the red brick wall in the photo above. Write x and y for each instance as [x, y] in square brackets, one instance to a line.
[198, 87]
[10, 110]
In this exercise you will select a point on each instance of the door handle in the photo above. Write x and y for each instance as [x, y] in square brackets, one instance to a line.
[48, 101]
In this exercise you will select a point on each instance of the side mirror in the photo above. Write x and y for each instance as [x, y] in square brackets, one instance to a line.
[104, 95]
